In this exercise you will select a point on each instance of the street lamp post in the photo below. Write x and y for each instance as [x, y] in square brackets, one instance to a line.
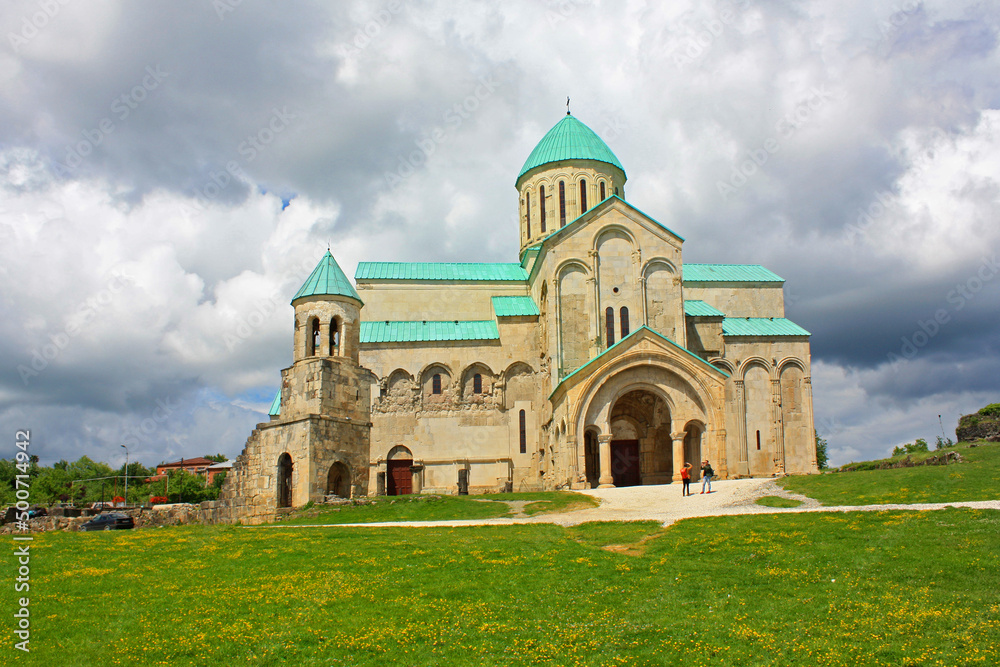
[126, 475]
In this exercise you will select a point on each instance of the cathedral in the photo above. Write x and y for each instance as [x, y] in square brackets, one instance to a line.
[600, 359]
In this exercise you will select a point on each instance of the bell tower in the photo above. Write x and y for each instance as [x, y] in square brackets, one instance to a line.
[317, 443]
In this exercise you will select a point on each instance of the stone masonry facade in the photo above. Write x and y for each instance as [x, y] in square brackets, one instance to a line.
[598, 359]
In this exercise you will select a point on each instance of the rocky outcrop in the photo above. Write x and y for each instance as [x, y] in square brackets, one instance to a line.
[982, 425]
[944, 458]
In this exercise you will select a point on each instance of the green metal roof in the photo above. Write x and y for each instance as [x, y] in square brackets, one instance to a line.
[696, 308]
[514, 306]
[473, 271]
[275, 405]
[327, 279]
[761, 326]
[729, 273]
[569, 140]
[628, 339]
[421, 332]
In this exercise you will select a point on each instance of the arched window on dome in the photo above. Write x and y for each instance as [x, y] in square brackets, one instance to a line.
[603, 192]
[616, 190]
[609, 325]
[583, 196]
[623, 319]
[527, 213]
[541, 207]
[562, 203]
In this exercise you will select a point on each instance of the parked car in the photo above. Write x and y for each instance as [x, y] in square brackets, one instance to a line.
[109, 521]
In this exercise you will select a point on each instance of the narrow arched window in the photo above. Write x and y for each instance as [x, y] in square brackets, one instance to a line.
[527, 213]
[523, 431]
[436, 384]
[477, 384]
[314, 343]
[603, 192]
[562, 203]
[623, 316]
[758, 440]
[609, 325]
[541, 207]
[334, 337]
[616, 190]
[583, 196]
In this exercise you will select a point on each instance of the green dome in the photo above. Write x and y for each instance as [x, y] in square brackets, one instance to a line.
[327, 280]
[569, 140]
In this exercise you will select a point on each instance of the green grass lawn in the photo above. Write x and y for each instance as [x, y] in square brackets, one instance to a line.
[978, 478]
[778, 501]
[865, 588]
[440, 508]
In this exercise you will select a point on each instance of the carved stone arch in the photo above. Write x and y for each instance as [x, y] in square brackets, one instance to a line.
[519, 384]
[694, 433]
[435, 384]
[661, 298]
[397, 391]
[754, 361]
[758, 392]
[689, 386]
[468, 383]
[613, 228]
[574, 313]
[658, 263]
[338, 478]
[285, 470]
[790, 361]
[571, 263]
[723, 365]
[399, 471]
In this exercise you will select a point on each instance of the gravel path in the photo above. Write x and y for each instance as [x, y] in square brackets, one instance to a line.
[666, 505]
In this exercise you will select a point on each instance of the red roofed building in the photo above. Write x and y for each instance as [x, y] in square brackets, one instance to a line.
[198, 466]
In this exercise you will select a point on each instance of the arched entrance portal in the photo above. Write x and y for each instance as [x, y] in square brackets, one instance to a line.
[338, 481]
[641, 448]
[285, 480]
[399, 477]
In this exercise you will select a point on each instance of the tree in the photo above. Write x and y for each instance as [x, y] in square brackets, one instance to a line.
[218, 458]
[219, 480]
[822, 458]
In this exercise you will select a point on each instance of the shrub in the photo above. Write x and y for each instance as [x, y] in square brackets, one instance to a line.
[158, 500]
[991, 410]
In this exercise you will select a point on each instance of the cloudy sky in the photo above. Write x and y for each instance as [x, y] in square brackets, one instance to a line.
[172, 171]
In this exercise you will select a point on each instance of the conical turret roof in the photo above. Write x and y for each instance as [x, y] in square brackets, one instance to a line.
[569, 139]
[327, 279]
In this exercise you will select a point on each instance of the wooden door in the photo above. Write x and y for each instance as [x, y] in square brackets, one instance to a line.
[400, 479]
[625, 462]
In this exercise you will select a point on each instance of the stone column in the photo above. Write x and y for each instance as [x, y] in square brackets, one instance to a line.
[642, 300]
[718, 439]
[557, 325]
[741, 430]
[606, 480]
[678, 440]
[807, 399]
[779, 428]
